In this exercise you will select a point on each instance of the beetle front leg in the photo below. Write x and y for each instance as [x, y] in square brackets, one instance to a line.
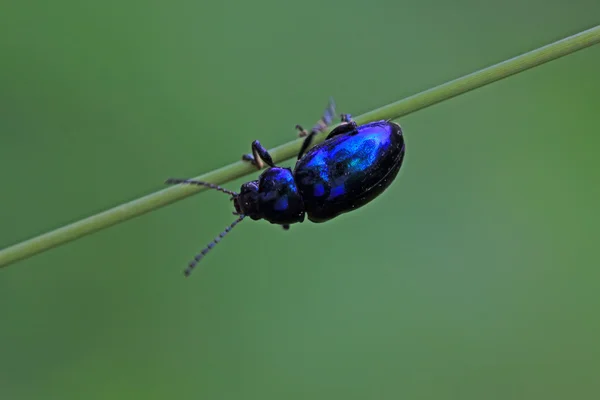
[259, 154]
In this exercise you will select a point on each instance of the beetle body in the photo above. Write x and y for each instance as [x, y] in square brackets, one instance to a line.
[354, 165]
[349, 170]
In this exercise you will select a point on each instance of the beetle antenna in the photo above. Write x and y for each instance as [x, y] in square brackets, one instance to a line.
[212, 244]
[174, 181]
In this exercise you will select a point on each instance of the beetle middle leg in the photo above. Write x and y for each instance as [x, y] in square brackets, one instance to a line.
[259, 154]
[320, 126]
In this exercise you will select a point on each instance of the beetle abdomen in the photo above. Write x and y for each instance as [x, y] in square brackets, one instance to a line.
[348, 171]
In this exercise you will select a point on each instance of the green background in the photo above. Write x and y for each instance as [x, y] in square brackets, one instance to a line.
[475, 276]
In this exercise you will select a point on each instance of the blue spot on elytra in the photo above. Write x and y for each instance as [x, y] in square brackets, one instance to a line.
[319, 190]
[337, 191]
[281, 204]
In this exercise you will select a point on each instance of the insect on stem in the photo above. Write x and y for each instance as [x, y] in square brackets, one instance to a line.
[389, 112]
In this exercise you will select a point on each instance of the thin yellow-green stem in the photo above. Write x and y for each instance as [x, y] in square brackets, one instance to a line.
[391, 111]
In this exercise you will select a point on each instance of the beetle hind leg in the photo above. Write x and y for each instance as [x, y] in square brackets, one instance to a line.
[346, 118]
[347, 126]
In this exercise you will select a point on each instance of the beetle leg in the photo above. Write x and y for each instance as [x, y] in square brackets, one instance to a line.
[348, 125]
[259, 154]
[306, 143]
[320, 126]
[322, 123]
[301, 131]
[286, 227]
[250, 159]
[346, 118]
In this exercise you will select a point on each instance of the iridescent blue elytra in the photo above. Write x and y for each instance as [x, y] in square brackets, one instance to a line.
[353, 166]
[349, 169]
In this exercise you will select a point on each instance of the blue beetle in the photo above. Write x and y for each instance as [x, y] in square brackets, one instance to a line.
[353, 166]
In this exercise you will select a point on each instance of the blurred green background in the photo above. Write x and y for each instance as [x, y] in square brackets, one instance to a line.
[475, 276]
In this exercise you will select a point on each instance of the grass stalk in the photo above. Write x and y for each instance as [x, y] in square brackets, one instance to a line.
[238, 169]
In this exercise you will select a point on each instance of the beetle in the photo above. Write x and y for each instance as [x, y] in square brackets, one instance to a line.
[354, 165]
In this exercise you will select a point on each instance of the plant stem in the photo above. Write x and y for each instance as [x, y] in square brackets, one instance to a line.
[236, 170]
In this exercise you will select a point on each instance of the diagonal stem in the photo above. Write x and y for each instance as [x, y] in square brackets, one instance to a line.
[236, 170]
